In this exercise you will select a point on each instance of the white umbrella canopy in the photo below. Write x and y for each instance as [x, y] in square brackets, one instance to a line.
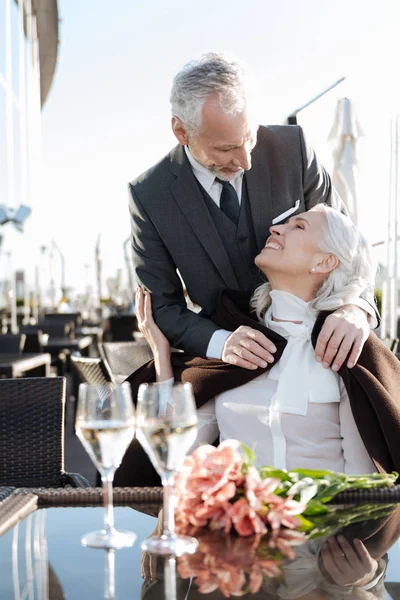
[344, 134]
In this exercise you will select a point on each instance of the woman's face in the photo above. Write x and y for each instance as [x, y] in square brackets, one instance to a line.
[292, 248]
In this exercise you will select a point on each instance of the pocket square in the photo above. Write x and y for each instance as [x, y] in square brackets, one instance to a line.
[286, 214]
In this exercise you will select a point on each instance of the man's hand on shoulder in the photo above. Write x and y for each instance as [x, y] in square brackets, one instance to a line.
[345, 330]
[248, 348]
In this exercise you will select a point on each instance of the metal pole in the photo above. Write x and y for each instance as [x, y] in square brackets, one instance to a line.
[386, 287]
[395, 229]
[98, 269]
[292, 118]
[9, 109]
[128, 261]
[63, 286]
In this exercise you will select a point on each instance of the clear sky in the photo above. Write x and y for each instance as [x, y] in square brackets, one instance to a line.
[107, 118]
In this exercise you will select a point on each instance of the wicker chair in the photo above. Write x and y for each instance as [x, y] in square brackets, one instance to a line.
[32, 434]
[12, 343]
[125, 357]
[92, 370]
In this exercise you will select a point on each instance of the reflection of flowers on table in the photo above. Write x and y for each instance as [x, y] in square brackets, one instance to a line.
[217, 489]
[235, 565]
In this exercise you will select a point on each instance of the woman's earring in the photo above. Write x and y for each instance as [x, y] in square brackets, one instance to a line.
[313, 270]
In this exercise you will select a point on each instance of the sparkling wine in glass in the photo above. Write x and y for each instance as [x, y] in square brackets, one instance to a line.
[166, 426]
[105, 424]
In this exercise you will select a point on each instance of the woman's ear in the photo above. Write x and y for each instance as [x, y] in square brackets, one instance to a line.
[326, 264]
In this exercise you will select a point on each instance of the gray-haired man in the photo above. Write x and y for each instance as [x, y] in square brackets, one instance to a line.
[184, 217]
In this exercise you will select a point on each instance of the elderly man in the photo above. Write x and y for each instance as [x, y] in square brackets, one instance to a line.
[203, 213]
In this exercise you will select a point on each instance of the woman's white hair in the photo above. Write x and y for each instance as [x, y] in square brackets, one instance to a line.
[354, 274]
[212, 74]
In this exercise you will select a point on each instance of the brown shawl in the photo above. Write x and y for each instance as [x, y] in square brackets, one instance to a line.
[373, 385]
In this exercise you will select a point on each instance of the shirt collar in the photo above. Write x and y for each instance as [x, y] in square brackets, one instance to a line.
[204, 175]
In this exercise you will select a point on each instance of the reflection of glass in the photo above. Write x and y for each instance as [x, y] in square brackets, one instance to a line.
[105, 424]
[109, 575]
[166, 428]
[170, 577]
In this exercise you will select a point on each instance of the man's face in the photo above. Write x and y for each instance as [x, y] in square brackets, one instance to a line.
[225, 141]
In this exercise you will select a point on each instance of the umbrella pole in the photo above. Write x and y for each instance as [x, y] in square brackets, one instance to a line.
[395, 232]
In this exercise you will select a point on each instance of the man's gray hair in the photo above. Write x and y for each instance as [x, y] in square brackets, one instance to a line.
[212, 74]
[354, 275]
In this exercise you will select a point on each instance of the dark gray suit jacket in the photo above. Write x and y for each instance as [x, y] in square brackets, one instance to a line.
[173, 230]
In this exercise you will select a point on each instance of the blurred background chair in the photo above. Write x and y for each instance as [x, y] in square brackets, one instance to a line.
[12, 343]
[124, 358]
[32, 434]
[121, 327]
[91, 370]
[74, 317]
[57, 329]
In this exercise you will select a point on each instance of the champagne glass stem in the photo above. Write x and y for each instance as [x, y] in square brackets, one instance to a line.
[107, 484]
[168, 481]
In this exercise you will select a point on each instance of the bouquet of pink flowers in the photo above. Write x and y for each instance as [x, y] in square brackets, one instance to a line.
[219, 489]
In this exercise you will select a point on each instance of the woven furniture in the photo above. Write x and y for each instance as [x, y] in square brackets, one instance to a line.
[91, 370]
[32, 433]
[15, 508]
[12, 343]
[124, 358]
[123, 496]
[88, 370]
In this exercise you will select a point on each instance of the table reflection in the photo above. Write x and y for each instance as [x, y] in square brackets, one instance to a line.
[334, 566]
[41, 558]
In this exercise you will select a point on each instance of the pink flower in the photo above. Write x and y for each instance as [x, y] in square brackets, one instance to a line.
[207, 483]
[260, 490]
[282, 513]
[245, 519]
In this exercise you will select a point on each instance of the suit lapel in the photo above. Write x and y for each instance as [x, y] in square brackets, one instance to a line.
[260, 196]
[190, 200]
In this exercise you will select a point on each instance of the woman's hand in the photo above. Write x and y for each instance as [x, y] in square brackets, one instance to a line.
[347, 564]
[156, 339]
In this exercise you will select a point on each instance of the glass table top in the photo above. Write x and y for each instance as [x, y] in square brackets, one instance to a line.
[42, 557]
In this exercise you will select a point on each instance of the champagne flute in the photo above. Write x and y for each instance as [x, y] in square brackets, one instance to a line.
[105, 424]
[166, 426]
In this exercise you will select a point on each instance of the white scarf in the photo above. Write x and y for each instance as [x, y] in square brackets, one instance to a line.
[301, 379]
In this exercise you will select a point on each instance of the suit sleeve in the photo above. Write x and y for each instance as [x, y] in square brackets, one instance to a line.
[318, 188]
[156, 271]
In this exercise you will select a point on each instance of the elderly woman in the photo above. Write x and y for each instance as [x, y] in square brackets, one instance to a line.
[296, 413]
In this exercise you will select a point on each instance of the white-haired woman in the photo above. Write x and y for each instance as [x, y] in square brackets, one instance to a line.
[297, 413]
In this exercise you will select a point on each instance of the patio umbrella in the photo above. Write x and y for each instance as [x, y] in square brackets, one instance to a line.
[345, 133]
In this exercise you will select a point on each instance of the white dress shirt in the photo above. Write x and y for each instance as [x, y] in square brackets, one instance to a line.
[298, 413]
[206, 178]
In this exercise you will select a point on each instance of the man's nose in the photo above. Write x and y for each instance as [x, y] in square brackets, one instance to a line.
[243, 158]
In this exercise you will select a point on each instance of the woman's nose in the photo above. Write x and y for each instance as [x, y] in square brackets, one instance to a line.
[276, 229]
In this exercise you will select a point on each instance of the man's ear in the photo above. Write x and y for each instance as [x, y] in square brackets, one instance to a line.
[327, 263]
[179, 131]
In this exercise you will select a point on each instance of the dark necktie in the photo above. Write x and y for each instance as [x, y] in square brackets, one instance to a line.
[229, 201]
